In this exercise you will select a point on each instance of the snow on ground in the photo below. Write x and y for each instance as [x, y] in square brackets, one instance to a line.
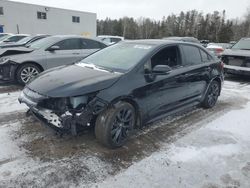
[216, 155]
[9, 103]
[19, 169]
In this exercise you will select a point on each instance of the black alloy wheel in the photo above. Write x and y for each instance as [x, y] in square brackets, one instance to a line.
[113, 127]
[212, 95]
[123, 123]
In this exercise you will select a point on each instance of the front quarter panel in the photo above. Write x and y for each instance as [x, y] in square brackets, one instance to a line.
[35, 56]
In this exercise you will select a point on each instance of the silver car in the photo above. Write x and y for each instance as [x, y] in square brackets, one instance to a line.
[23, 63]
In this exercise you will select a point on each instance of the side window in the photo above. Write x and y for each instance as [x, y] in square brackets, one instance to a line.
[90, 44]
[168, 56]
[115, 40]
[1, 10]
[108, 40]
[69, 44]
[192, 54]
[204, 56]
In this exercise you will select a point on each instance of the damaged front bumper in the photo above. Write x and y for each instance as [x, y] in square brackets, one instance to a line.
[66, 120]
[7, 71]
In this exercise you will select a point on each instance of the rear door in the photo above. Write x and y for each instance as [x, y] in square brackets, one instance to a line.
[197, 63]
[70, 51]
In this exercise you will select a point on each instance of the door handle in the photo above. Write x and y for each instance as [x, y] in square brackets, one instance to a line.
[76, 53]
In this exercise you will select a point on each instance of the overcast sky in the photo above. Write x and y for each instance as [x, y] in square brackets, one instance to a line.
[155, 9]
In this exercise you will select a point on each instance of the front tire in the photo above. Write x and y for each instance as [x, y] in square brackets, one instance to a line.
[212, 95]
[114, 125]
[26, 72]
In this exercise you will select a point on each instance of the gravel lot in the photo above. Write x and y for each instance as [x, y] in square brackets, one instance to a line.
[199, 148]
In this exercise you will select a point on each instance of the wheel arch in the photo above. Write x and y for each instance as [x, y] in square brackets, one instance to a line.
[29, 62]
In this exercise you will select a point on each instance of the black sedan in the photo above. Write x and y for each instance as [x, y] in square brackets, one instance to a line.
[125, 86]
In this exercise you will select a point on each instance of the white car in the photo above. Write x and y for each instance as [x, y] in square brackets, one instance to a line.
[217, 48]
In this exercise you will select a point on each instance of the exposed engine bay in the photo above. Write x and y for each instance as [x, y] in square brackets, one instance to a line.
[64, 113]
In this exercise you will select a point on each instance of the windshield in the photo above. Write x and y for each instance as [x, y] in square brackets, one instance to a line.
[120, 57]
[2, 35]
[24, 40]
[41, 43]
[16, 38]
[243, 44]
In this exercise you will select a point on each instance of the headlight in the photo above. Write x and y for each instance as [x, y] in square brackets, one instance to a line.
[78, 102]
[4, 60]
[33, 95]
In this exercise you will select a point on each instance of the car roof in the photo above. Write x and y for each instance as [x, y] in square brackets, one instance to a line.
[60, 37]
[110, 36]
[159, 42]
[245, 39]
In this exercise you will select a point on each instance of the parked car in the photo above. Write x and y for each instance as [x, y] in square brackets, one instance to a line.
[109, 39]
[23, 42]
[204, 43]
[14, 38]
[184, 39]
[237, 58]
[218, 48]
[21, 64]
[2, 35]
[125, 86]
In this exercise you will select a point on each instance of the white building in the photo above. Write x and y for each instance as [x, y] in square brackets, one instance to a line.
[16, 17]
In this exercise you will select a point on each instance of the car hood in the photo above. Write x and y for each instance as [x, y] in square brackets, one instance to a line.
[72, 80]
[14, 51]
[236, 52]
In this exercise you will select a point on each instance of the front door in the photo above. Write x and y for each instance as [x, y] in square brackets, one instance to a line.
[69, 52]
[161, 93]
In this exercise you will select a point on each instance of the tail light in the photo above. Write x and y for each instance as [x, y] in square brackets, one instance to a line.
[219, 50]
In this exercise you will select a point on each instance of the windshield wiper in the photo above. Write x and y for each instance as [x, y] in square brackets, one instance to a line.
[244, 49]
[93, 66]
[105, 68]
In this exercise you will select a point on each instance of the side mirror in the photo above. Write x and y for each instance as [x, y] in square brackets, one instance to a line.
[54, 48]
[161, 69]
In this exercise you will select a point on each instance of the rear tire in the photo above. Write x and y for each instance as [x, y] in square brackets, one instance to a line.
[26, 72]
[212, 95]
[114, 125]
